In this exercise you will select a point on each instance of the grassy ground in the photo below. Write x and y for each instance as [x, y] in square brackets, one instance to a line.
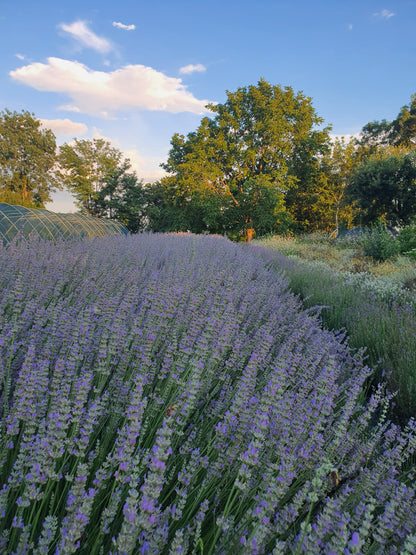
[342, 256]
[374, 302]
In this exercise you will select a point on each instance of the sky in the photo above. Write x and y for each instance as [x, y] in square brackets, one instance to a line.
[137, 71]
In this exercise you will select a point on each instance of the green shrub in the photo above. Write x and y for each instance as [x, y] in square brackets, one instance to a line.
[380, 244]
[407, 240]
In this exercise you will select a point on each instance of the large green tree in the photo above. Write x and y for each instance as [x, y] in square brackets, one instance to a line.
[87, 166]
[232, 174]
[27, 160]
[384, 186]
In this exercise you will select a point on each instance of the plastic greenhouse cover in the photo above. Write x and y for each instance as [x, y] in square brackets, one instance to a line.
[16, 220]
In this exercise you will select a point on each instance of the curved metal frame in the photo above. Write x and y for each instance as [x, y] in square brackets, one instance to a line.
[16, 220]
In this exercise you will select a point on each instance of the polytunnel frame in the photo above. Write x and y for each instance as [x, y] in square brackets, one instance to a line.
[25, 221]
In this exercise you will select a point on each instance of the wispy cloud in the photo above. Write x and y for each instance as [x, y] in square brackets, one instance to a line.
[146, 168]
[83, 35]
[384, 14]
[104, 94]
[20, 56]
[64, 127]
[192, 68]
[122, 26]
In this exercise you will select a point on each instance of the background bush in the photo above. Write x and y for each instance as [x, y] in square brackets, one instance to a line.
[407, 240]
[380, 244]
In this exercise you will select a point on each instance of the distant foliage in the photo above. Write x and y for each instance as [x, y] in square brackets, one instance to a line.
[28, 166]
[407, 240]
[88, 165]
[168, 394]
[399, 132]
[380, 244]
[384, 186]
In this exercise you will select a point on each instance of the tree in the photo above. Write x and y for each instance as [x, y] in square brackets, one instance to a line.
[404, 126]
[376, 134]
[248, 155]
[260, 210]
[161, 212]
[27, 160]
[304, 197]
[399, 132]
[123, 198]
[333, 207]
[384, 186]
[87, 166]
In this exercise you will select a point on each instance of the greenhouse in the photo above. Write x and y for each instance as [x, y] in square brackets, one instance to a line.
[18, 220]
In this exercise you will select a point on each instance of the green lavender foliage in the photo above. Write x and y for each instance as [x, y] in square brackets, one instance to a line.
[168, 394]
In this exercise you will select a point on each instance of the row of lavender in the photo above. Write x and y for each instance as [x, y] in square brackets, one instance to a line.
[378, 315]
[168, 394]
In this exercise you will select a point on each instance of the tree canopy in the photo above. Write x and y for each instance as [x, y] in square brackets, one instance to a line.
[404, 126]
[399, 132]
[27, 160]
[384, 186]
[123, 198]
[262, 162]
[87, 165]
[232, 174]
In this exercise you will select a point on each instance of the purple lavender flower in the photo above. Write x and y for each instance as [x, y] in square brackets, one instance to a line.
[169, 393]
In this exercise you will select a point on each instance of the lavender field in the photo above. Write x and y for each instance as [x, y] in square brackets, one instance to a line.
[169, 394]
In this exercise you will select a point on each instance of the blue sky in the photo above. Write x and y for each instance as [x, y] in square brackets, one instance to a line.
[136, 72]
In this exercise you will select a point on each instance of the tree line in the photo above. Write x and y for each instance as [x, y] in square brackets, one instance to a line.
[263, 162]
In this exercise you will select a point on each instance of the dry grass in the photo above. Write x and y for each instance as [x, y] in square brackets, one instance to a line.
[374, 302]
[342, 256]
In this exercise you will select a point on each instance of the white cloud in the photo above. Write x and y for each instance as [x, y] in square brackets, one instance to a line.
[62, 202]
[81, 33]
[384, 14]
[20, 56]
[191, 68]
[122, 26]
[97, 134]
[147, 169]
[64, 127]
[70, 108]
[103, 94]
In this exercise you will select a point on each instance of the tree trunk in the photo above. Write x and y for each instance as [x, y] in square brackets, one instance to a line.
[249, 234]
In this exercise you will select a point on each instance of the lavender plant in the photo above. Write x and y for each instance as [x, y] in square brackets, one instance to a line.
[377, 314]
[168, 394]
